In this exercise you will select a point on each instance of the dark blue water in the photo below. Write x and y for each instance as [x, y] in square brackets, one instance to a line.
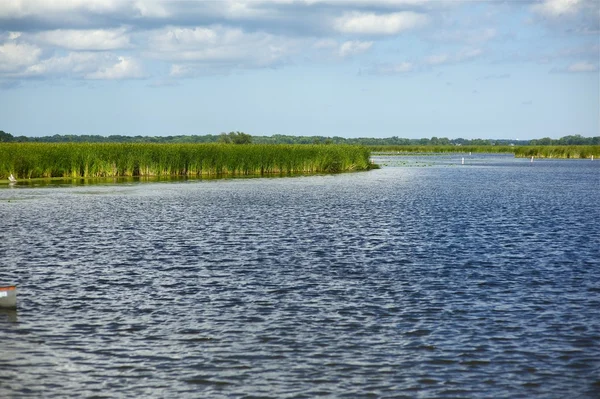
[425, 278]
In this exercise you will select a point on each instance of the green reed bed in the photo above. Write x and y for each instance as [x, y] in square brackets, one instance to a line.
[558, 151]
[561, 151]
[442, 149]
[45, 160]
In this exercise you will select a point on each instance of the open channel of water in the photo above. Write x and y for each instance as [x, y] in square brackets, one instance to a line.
[425, 278]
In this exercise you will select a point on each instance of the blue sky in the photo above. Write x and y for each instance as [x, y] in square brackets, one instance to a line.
[408, 68]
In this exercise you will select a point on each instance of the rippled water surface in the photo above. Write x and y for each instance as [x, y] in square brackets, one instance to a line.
[425, 278]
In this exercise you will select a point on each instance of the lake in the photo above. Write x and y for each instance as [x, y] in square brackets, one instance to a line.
[425, 278]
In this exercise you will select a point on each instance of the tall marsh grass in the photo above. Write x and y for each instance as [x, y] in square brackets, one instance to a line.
[541, 151]
[558, 151]
[442, 148]
[37, 160]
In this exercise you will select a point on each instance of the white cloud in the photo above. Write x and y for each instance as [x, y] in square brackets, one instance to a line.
[219, 44]
[125, 68]
[94, 39]
[179, 70]
[557, 8]
[176, 38]
[580, 17]
[577, 67]
[73, 64]
[582, 67]
[85, 38]
[392, 69]
[357, 2]
[152, 9]
[14, 56]
[24, 8]
[82, 65]
[354, 47]
[379, 24]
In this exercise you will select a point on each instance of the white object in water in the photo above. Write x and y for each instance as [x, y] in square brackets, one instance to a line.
[463, 161]
[592, 157]
[12, 178]
[531, 159]
[8, 297]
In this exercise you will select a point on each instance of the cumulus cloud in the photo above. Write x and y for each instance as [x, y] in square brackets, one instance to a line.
[73, 64]
[354, 47]
[556, 8]
[14, 56]
[81, 12]
[218, 44]
[425, 63]
[379, 24]
[81, 65]
[77, 39]
[574, 16]
[582, 67]
[24, 8]
[124, 68]
[577, 67]
[179, 70]
[114, 39]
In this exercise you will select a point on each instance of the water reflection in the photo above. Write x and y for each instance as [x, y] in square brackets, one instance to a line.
[8, 315]
[74, 182]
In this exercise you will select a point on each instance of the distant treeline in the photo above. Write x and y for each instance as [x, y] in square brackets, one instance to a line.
[244, 138]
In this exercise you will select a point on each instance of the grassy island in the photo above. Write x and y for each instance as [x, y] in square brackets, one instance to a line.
[538, 151]
[76, 160]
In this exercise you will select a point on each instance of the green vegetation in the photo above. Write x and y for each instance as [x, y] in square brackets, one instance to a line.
[444, 148]
[36, 160]
[559, 151]
[567, 140]
[244, 138]
[235, 138]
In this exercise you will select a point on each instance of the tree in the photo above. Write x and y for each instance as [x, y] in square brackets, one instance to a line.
[240, 138]
[235, 138]
[5, 137]
[224, 138]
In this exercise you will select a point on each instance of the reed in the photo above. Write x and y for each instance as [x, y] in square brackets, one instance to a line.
[45, 160]
[559, 151]
[443, 149]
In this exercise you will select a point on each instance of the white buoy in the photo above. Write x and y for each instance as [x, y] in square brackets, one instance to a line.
[532, 159]
[592, 157]
[469, 153]
[11, 178]
[463, 161]
[8, 296]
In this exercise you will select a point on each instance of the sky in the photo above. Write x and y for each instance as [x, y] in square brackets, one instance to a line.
[409, 68]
